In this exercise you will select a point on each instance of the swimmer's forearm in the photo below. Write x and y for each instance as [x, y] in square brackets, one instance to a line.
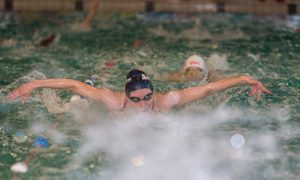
[257, 87]
[226, 83]
[68, 84]
[71, 85]
[108, 97]
[200, 92]
[103, 95]
[26, 89]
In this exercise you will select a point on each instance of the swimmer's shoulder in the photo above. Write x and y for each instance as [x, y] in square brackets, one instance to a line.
[113, 100]
[163, 102]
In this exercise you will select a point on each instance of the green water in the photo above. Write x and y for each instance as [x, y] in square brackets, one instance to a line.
[253, 45]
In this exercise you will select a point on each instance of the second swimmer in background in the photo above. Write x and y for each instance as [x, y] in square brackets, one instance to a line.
[195, 69]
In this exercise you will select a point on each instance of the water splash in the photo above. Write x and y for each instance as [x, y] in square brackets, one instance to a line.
[182, 146]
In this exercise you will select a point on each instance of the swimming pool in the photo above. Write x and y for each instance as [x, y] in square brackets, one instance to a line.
[227, 136]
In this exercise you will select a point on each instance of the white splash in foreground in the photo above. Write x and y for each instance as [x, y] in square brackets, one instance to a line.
[182, 146]
[19, 167]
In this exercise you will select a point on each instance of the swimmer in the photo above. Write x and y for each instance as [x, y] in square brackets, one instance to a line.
[139, 94]
[85, 25]
[195, 69]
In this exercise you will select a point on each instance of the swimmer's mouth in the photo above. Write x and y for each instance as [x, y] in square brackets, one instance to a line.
[145, 109]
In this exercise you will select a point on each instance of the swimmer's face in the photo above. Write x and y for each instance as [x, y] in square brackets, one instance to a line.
[141, 99]
[194, 74]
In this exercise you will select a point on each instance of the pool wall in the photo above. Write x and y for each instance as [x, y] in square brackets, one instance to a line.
[188, 6]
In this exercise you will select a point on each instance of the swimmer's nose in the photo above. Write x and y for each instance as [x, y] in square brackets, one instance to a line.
[142, 103]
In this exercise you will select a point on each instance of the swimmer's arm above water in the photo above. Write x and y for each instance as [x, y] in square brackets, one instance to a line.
[106, 96]
[195, 93]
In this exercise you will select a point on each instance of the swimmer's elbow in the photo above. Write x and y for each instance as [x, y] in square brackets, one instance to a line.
[207, 91]
[75, 86]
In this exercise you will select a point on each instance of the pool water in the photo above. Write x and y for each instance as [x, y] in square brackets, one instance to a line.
[225, 136]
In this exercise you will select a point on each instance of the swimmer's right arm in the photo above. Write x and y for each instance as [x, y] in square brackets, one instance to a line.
[25, 90]
[106, 96]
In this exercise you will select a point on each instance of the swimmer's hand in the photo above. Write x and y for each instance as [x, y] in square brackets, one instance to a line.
[257, 87]
[23, 91]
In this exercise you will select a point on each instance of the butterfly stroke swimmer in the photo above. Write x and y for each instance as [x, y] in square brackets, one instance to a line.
[139, 94]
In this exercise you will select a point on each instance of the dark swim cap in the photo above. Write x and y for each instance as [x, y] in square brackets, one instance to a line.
[137, 79]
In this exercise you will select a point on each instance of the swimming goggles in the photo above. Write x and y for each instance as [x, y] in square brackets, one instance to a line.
[147, 97]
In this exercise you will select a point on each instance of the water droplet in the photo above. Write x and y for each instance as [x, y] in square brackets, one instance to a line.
[138, 160]
[237, 141]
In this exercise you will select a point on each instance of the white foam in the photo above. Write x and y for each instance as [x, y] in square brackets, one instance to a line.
[217, 61]
[192, 145]
[19, 167]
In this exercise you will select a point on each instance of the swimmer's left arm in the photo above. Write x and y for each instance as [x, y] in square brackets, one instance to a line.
[195, 93]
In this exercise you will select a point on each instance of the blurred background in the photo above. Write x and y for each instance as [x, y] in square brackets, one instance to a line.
[188, 6]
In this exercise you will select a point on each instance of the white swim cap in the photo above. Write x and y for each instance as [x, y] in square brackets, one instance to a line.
[195, 61]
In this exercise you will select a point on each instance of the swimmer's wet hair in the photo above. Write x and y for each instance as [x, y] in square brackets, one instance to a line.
[137, 79]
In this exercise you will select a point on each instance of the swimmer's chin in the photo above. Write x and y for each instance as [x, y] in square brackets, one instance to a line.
[144, 110]
[141, 110]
